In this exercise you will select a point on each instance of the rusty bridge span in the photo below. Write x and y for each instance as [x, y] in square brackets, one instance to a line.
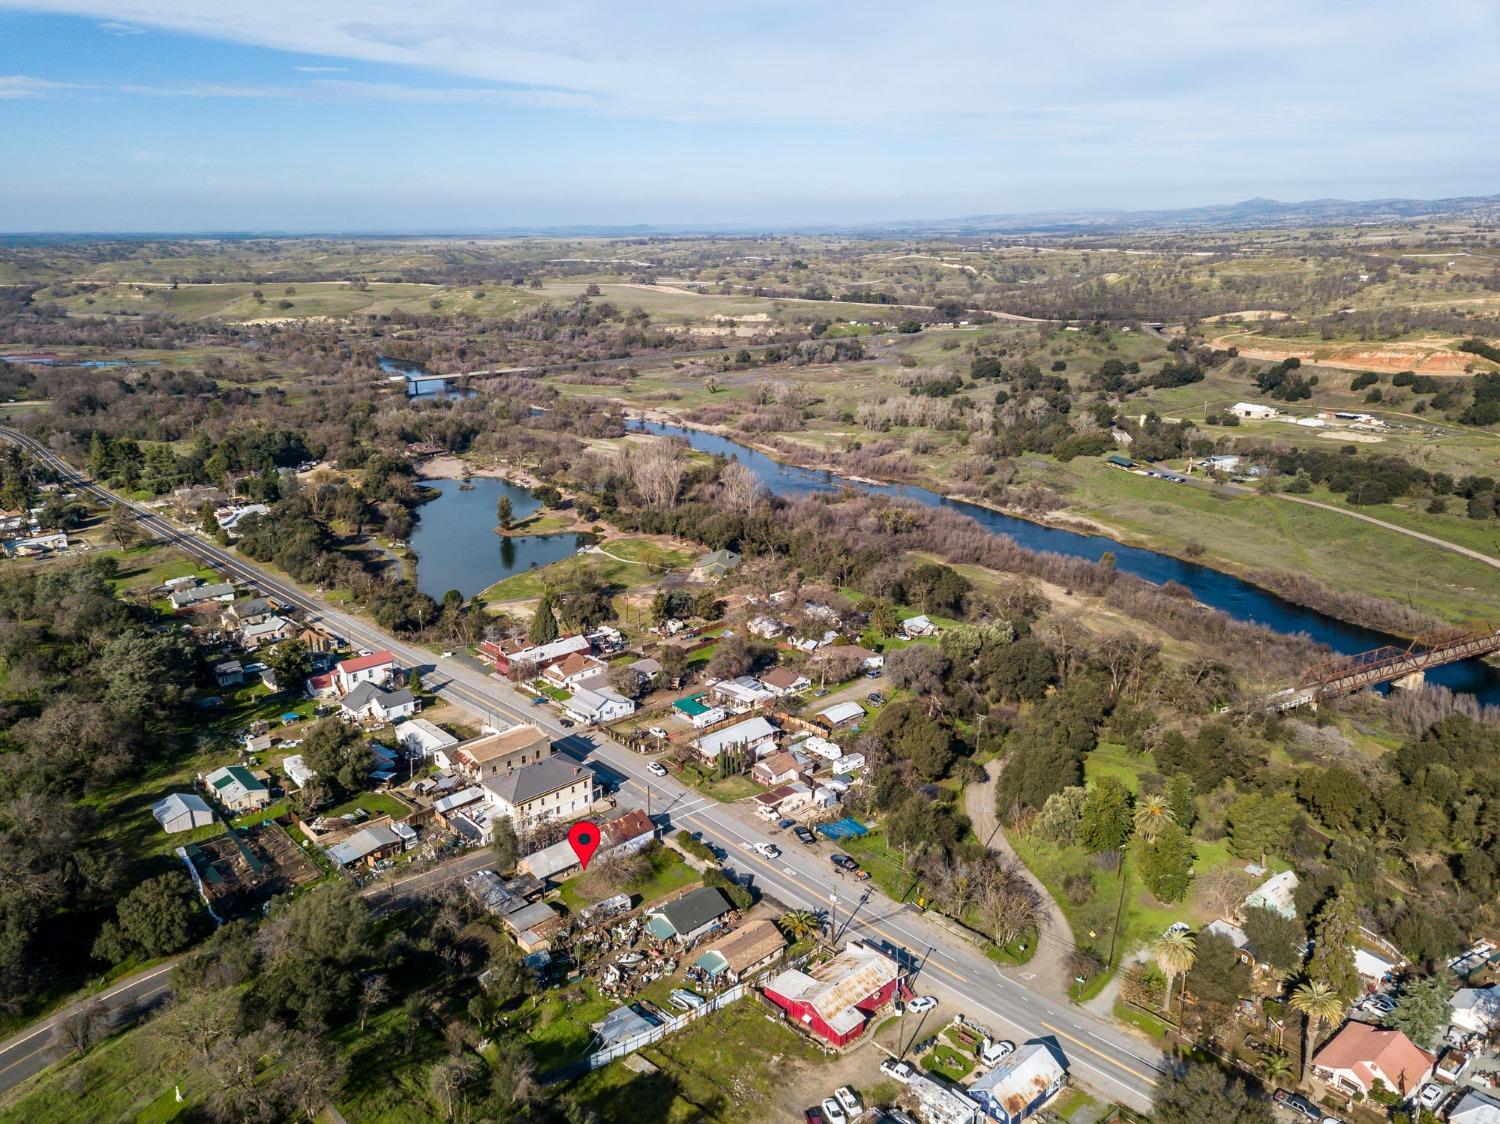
[1347, 674]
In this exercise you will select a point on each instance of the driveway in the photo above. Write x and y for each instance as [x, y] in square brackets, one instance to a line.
[1047, 971]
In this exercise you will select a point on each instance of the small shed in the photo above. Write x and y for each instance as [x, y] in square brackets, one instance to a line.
[182, 811]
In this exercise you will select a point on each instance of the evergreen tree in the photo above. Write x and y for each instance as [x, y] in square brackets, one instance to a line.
[98, 456]
[1166, 863]
[1106, 816]
[1334, 933]
[210, 524]
[506, 845]
[544, 622]
[505, 512]
[1422, 1010]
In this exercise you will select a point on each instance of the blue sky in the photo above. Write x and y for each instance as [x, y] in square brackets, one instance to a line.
[173, 115]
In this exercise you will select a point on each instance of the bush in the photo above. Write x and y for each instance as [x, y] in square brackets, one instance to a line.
[694, 847]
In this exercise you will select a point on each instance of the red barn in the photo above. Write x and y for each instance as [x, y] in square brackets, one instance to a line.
[834, 1000]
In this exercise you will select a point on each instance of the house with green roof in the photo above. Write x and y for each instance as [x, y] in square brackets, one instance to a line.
[237, 789]
[698, 712]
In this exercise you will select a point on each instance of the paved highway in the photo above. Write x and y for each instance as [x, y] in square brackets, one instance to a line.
[1102, 1056]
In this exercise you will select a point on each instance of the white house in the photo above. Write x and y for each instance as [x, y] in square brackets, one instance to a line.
[755, 734]
[1277, 893]
[574, 670]
[182, 811]
[592, 706]
[842, 714]
[369, 703]
[266, 631]
[552, 788]
[767, 628]
[919, 625]
[295, 769]
[742, 694]
[199, 594]
[1475, 1009]
[821, 747]
[1021, 1084]
[237, 788]
[784, 681]
[417, 735]
[378, 668]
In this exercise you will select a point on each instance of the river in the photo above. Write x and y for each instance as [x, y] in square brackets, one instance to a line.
[1234, 596]
[420, 384]
[456, 544]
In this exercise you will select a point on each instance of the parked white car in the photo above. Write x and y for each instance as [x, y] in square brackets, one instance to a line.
[833, 1112]
[769, 850]
[1430, 1095]
[657, 769]
[922, 1004]
[991, 1052]
[850, 1101]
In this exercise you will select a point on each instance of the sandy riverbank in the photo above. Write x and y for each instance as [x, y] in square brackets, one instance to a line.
[456, 468]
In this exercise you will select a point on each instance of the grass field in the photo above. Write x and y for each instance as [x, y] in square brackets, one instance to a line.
[628, 564]
[727, 1067]
[1247, 532]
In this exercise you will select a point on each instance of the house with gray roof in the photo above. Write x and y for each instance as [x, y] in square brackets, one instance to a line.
[367, 702]
[690, 916]
[552, 788]
[201, 594]
[368, 845]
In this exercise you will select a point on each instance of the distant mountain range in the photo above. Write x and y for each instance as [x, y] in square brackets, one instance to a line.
[1252, 214]
[1248, 215]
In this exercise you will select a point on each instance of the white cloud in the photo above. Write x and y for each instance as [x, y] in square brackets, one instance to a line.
[321, 69]
[24, 86]
[111, 27]
[1003, 65]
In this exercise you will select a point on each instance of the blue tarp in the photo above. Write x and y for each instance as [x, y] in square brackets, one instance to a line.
[846, 828]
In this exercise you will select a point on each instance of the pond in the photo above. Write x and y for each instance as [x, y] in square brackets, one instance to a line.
[456, 544]
[1238, 598]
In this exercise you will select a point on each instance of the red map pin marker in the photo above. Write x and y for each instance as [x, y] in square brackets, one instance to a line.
[584, 839]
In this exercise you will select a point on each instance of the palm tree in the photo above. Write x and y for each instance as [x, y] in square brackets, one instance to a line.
[1152, 814]
[1276, 1066]
[797, 924]
[1175, 950]
[1318, 1004]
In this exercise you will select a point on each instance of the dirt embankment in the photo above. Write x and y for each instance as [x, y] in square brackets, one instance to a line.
[1423, 357]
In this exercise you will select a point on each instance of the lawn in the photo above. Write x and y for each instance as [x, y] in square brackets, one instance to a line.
[631, 563]
[669, 873]
[947, 1062]
[724, 789]
[726, 1067]
[375, 803]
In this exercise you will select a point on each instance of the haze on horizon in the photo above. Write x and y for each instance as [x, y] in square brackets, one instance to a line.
[171, 115]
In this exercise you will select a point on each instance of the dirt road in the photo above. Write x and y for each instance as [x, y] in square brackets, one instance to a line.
[1055, 943]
